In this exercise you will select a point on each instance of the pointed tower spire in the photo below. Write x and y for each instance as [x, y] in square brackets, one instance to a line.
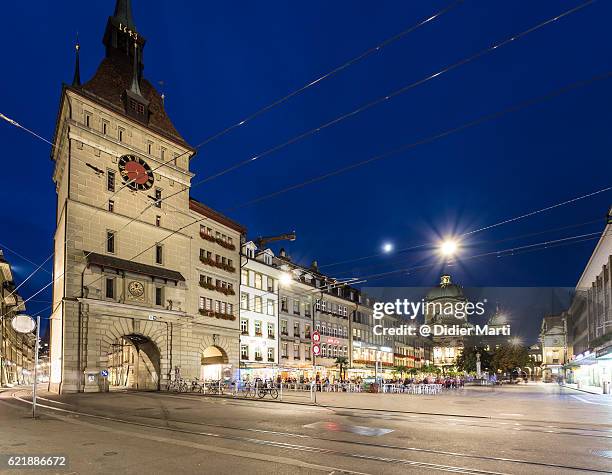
[123, 13]
[76, 80]
[135, 87]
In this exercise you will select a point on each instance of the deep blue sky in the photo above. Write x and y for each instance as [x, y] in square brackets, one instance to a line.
[221, 61]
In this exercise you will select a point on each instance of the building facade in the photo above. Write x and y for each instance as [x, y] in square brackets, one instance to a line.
[589, 323]
[553, 338]
[259, 324]
[145, 277]
[16, 349]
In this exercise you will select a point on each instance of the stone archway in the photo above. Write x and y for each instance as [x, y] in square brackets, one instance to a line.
[135, 353]
[134, 363]
[213, 362]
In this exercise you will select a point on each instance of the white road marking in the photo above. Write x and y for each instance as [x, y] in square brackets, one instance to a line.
[589, 402]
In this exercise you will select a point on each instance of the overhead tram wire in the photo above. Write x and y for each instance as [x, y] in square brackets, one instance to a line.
[320, 79]
[98, 209]
[270, 106]
[513, 251]
[361, 109]
[333, 72]
[429, 139]
[511, 238]
[387, 97]
[485, 228]
[372, 104]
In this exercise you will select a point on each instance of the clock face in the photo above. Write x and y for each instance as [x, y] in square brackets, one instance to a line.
[136, 172]
[136, 289]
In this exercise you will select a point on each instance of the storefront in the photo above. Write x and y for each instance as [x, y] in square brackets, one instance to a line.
[591, 371]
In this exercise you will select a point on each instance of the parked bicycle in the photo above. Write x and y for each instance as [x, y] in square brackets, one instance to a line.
[263, 391]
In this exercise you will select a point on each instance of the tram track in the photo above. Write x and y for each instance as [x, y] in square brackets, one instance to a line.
[318, 450]
[503, 424]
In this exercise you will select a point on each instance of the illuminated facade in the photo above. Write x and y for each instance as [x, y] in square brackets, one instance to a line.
[145, 277]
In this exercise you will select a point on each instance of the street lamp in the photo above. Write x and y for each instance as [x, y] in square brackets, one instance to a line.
[449, 247]
[516, 341]
[285, 279]
[387, 247]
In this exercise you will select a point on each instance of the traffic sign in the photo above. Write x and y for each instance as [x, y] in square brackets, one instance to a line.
[104, 373]
[316, 337]
[316, 350]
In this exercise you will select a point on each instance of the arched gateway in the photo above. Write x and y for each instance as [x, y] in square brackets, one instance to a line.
[214, 363]
[134, 363]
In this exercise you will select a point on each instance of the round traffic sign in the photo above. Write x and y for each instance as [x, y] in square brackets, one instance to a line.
[23, 323]
[316, 337]
[316, 350]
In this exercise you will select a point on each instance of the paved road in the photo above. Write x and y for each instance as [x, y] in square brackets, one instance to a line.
[528, 429]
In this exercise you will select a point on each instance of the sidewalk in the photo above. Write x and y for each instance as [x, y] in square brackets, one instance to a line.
[586, 389]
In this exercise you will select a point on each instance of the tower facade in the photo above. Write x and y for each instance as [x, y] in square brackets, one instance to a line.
[135, 300]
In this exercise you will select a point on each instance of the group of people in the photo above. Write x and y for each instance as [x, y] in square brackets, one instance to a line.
[447, 383]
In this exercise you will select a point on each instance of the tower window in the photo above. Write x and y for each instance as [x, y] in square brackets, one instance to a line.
[159, 254]
[110, 180]
[163, 153]
[149, 147]
[120, 134]
[158, 197]
[110, 242]
[87, 120]
[159, 295]
[111, 206]
[110, 288]
[104, 128]
[158, 221]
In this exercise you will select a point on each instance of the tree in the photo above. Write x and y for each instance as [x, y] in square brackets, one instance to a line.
[400, 369]
[342, 363]
[506, 358]
[467, 359]
[431, 369]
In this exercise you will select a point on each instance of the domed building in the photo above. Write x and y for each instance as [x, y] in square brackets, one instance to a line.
[441, 304]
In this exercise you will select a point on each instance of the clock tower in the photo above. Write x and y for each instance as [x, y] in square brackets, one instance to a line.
[123, 252]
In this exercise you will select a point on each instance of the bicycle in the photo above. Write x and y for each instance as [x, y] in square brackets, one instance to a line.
[196, 386]
[272, 391]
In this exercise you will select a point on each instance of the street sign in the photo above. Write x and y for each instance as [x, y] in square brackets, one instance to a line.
[316, 350]
[104, 373]
[152, 318]
[23, 323]
[316, 337]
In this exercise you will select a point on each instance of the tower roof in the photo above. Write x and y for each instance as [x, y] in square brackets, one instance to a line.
[121, 71]
[123, 13]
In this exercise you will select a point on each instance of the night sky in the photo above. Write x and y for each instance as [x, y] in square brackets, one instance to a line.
[221, 61]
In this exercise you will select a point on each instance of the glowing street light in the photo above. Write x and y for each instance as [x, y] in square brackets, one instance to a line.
[387, 247]
[516, 341]
[449, 248]
[285, 279]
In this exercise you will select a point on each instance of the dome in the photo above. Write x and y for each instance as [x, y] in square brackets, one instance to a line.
[446, 290]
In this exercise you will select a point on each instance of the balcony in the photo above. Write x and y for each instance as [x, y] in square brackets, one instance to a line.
[307, 336]
[258, 358]
[207, 236]
[245, 332]
[225, 244]
[271, 360]
[244, 357]
[285, 333]
[258, 334]
[271, 336]
[222, 316]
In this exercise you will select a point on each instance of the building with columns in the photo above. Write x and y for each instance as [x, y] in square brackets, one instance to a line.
[145, 277]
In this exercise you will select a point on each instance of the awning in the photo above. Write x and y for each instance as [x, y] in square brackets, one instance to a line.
[111, 262]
